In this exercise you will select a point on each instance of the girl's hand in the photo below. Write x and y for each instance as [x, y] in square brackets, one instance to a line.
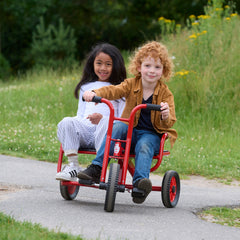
[164, 110]
[95, 118]
[88, 96]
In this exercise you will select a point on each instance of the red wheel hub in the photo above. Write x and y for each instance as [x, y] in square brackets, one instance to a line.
[173, 189]
[71, 189]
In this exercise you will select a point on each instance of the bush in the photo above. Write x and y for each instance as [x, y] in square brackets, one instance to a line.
[52, 47]
[4, 68]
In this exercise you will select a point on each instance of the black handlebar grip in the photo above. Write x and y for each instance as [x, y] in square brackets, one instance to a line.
[154, 107]
[97, 99]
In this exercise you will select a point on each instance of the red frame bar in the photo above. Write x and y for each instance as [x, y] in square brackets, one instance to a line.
[123, 160]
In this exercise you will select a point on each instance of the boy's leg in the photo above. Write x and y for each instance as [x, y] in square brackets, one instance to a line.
[93, 172]
[146, 145]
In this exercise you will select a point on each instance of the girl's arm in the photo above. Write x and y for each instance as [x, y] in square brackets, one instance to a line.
[95, 118]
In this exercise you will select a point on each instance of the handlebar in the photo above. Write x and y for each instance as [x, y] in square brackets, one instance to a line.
[149, 106]
[154, 107]
[97, 99]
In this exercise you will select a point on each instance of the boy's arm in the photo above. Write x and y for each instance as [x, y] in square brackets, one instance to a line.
[168, 117]
[114, 92]
[88, 95]
[164, 111]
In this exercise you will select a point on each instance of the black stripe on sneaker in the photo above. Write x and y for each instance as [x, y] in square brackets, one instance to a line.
[73, 173]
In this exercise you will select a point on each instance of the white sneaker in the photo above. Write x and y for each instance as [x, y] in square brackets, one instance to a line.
[68, 173]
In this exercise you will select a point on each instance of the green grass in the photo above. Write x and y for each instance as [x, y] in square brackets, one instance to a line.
[224, 216]
[14, 230]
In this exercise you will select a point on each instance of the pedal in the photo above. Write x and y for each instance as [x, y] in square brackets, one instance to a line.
[138, 193]
[86, 181]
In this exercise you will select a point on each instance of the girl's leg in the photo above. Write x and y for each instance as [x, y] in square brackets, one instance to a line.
[73, 133]
[68, 136]
[93, 172]
[101, 130]
[68, 133]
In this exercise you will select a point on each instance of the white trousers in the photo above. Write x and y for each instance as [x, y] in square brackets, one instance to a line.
[75, 133]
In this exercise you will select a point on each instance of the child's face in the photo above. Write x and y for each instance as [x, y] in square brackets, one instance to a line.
[151, 70]
[103, 66]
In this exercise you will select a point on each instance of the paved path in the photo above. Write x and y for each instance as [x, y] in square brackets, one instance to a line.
[39, 201]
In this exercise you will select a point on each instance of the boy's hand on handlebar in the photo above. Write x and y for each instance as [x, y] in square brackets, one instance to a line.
[88, 96]
[164, 110]
[95, 118]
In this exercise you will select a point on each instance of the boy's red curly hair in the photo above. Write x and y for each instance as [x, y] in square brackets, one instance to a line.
[155, 50]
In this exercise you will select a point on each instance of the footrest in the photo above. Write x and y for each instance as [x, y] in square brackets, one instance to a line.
[138, 193]
[86, 181]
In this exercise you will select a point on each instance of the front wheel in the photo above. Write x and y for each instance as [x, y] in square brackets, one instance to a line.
[170, 189]
[112, 187]
[68, 192]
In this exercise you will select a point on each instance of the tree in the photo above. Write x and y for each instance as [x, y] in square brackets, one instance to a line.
[124, 23]
[18, 20]
[53, 47]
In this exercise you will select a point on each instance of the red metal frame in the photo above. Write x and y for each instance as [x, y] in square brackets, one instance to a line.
[123, 158]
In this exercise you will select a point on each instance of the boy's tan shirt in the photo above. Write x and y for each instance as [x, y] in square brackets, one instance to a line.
[131, 89]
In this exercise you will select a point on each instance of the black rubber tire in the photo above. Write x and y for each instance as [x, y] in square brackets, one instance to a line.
[69, 192]
[112, 187]
[170, 189]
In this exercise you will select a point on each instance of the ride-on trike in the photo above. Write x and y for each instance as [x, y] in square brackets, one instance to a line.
[118, 170]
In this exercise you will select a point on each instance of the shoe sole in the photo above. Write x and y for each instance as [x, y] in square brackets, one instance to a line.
[84, 176]
[145, 185]
[75, 179]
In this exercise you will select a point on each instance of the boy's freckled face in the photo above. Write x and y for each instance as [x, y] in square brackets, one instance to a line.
[103, 66]
[151, 70]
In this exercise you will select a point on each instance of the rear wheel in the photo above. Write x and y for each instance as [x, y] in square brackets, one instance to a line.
[170, 189]
[112, 187]
[69, 192]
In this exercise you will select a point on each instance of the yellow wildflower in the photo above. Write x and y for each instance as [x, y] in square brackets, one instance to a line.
[168, 21]
[201, 33]
[233, 14]
[192, 17]
[228, 18]
[161, 19]
[203, 16]
[226, 6]
[193, 36]
[195, 23]
[182, 72]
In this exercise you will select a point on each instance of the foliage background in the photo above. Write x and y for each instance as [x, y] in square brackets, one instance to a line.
[125, 23]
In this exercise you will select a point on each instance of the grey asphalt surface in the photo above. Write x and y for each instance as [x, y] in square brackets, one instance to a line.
[39, 201]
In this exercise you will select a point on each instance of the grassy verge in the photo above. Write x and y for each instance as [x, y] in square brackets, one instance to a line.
[224, 216]
[11, 229]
